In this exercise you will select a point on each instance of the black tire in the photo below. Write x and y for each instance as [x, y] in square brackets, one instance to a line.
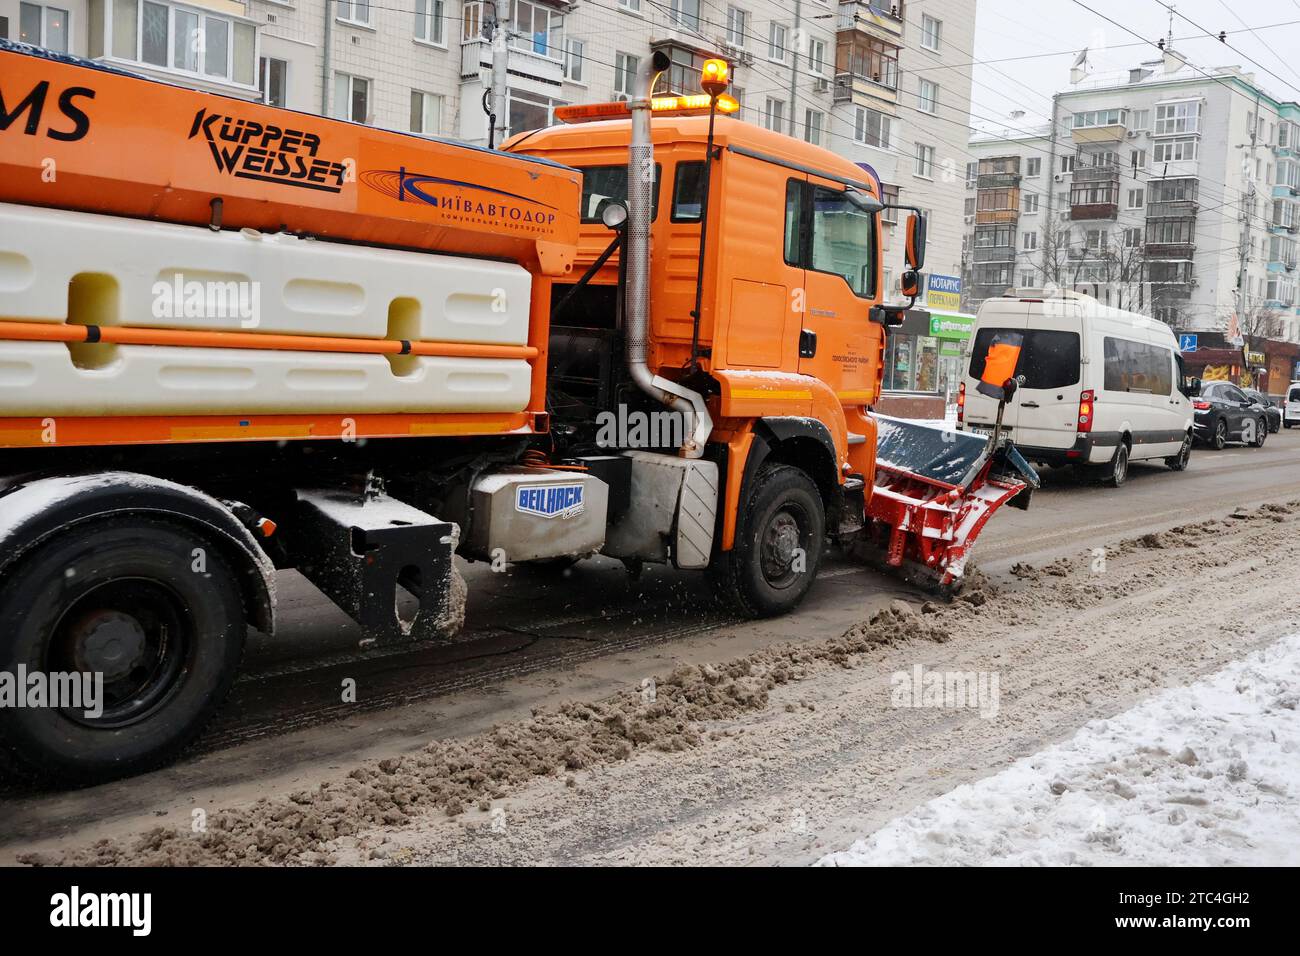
[127, 598]
[1286, 424]
[1179, 462]
[1220, 438]
[783, 511]
[1117, 471]
[1261, 433]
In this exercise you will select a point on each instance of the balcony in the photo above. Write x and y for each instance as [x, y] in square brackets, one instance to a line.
[1172, 208]
[986, 217]
[1088, 212]
[995, 254]
[875, 18]
[997, 180]
[1170, 250]
[1096, 174]
[476, 59]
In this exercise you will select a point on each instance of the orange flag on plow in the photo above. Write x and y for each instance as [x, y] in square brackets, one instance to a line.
[1000, 363]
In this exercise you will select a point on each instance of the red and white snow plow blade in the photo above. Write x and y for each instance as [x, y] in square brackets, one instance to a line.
[934, 491]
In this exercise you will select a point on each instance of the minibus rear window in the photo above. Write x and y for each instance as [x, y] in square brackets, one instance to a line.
[1048, 359]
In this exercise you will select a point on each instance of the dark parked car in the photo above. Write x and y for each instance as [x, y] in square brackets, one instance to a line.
[1224, 413]
[1272, 414]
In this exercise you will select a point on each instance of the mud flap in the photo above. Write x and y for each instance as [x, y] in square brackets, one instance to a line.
[358, 549]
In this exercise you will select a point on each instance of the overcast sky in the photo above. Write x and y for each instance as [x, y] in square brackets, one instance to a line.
[1006, 29]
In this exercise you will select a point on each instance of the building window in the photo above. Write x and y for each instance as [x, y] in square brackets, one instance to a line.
[1136, 198]
[924, 161]
[1175, 150]
[1138, 158]
[1140, 119]
[1029, 241]
[1133, 237]
[351, 97]
[1092, 118]
[927, 96]
[1026, 280]
[273, 80]
[471, 22]
[774, 114]
[736, 26]
[686, 13]
[1173, 118]
[776, 34]
[530, 111]
[426, 113]
[633, 5]
[970, 206]
[1067, 164]
[812, 124]
[931, 32]
[1029, 203]
[353, 11]
[430, 22]
[573, 60]
[44, 26]
[625, 67]
[537, 29]
[188, 41]
[1034, 166]
[872, 128]
[817, 56]
[972, 175]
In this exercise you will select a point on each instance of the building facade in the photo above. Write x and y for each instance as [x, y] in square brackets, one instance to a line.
[1161, 190]
[879, 82]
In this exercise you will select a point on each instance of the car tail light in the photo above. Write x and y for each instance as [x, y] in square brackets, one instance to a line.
[1085, 410]
[961, 403]
[1200, 404]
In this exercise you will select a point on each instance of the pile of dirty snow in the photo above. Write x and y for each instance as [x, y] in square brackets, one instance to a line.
[1204, 775]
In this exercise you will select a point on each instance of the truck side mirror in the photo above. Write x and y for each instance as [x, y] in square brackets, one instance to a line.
[914, 252]
[909, 283]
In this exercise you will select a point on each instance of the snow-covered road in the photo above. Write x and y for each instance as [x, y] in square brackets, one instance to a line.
[1207, 774]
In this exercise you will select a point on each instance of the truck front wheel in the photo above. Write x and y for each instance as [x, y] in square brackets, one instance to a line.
[140, 624]
[779, 543]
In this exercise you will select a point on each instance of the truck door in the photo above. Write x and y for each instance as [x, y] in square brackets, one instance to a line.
[839, 251]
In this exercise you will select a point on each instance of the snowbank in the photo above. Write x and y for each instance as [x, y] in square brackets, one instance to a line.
[1203, 775]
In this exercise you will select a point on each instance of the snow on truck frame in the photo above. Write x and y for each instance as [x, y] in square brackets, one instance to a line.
[237, 338]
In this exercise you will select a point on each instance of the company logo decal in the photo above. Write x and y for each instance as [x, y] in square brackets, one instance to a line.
[268, 153]
[550, 501]
[460, 199]
[31, 108]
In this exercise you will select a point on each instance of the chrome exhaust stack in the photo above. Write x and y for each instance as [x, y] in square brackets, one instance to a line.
[636, 307]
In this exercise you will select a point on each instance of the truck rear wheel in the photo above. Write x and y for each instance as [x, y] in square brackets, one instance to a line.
[779, 543]
[152, 607]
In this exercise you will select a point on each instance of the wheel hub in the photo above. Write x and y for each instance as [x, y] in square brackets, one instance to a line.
[779, 545]
[108, 642]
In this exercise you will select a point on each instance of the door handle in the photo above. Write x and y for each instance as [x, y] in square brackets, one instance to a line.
[1028, 404]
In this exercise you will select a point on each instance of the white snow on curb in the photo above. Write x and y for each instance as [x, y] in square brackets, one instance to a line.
[1206, 775]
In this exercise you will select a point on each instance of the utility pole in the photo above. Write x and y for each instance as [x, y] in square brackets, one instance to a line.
[498, 31]
[800, 39]
[1247, 212]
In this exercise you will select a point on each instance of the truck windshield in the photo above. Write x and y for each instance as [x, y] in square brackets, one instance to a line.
[601, 184]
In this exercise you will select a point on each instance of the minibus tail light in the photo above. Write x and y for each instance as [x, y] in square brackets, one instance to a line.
[1085, 410]
[961, 403]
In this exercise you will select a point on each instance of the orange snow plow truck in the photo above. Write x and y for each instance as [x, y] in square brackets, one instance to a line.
[235, 339]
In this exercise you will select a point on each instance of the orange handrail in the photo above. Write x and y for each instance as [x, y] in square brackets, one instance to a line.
[134, 335]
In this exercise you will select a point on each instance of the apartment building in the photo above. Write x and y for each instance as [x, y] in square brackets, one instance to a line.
[883, 83]
[1156, 190]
